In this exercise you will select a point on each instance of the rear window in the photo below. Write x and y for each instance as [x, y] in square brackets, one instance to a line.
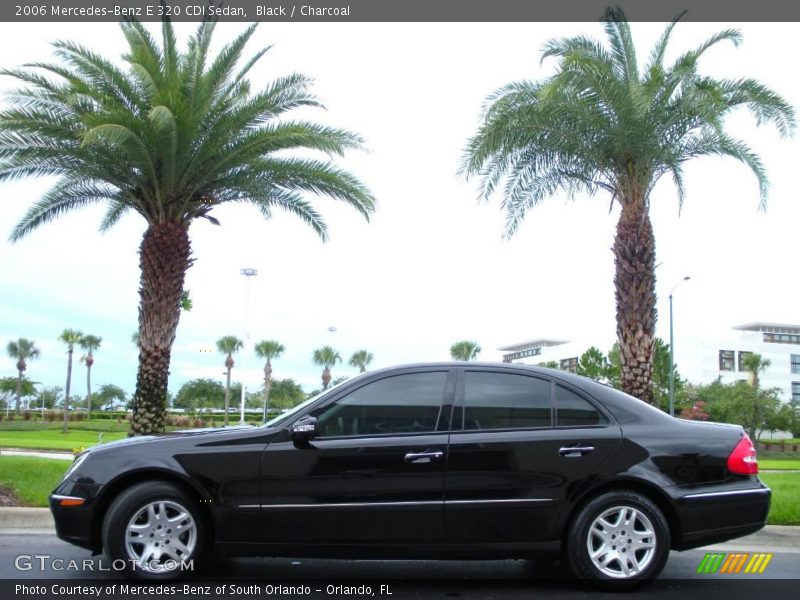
[573, 410]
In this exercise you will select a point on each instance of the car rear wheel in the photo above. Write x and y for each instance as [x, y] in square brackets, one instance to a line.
[618, 540]
[153, 530]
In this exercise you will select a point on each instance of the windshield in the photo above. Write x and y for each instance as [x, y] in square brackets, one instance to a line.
[282, 418]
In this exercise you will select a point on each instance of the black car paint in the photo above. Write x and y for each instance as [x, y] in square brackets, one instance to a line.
[492, 493]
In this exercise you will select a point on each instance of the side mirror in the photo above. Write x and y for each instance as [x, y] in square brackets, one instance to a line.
[304, 430]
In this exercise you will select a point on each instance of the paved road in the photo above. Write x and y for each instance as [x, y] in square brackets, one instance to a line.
[507, 579]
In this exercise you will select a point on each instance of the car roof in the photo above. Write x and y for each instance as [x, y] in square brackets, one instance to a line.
[625, 407]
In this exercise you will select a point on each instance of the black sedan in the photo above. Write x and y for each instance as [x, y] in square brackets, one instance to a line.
[447, 460]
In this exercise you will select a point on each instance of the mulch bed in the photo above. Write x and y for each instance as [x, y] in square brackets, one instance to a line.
[7, 497]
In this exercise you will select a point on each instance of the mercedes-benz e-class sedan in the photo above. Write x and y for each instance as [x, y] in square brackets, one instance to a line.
[446, 460]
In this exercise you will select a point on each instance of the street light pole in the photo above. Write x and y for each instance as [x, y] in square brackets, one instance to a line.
[248, 273]
[672, 352]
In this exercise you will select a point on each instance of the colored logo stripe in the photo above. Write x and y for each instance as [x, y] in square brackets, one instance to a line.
[711, 562]
[758, 563]
[720, 562]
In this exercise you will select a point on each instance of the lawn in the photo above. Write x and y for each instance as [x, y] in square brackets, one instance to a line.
[32, 479]
[54, 439]
[779, 463]
[39, 425]
[785, 509]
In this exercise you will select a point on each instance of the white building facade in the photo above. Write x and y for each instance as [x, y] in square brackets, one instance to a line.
[700, 360]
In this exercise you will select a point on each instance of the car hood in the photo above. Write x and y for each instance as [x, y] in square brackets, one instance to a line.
[168, 435]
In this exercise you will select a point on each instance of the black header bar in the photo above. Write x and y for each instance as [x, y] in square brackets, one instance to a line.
[394, 10]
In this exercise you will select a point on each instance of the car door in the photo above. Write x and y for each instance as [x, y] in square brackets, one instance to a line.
[520, 445]
[375, 471]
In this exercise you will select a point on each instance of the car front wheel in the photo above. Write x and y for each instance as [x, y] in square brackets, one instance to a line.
[153, 530]
[618, 540]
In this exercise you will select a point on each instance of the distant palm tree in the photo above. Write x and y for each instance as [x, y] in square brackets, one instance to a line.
[90, 343]
[229, 345]
[755, 364]
[135, 338]
[326, 357]
[268, 350]
[464, 350]
[170, 135]
[361, 359]
[22, 350]
[70, 337]
[602, 122]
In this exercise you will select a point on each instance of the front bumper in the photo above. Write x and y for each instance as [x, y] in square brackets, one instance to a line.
[76, 523]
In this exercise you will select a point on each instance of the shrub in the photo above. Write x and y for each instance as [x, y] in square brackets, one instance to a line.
[197, 423]
[26, 415]
[50, 416]
[10, 416]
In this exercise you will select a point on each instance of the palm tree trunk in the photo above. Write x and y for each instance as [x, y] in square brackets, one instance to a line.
[635, 282]
[89, 385]
[66, 392]
[326, 378]
[227, 396]
[19, 387]
[164, 258]
[267, 387]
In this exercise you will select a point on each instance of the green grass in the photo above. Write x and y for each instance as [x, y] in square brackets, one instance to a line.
[93, 425]
[53, 439]
[32, 479]
[785, 509]
[779, 463]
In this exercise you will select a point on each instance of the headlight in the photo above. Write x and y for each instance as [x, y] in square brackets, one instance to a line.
[74, 466]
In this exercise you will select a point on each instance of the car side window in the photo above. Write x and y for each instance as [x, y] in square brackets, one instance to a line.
[408, 403]
[573, 410]
[505, 401]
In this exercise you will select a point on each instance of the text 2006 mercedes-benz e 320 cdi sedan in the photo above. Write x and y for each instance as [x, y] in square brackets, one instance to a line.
[450, 460]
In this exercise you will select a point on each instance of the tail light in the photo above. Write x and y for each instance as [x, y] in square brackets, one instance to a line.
[742, 460]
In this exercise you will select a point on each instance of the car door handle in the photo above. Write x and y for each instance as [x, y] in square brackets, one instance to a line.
[423, 457]
[575, 451]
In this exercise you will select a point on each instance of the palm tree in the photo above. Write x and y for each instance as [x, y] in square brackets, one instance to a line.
[171, 135]
[361, 360]
[326, 357]
[70, 337]
[465, 350]
[229, 345]
[268, 350]
[90, 343]
[603, 123]
[755, 364]
[22, 350]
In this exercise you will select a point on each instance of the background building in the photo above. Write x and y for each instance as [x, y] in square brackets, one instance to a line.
[699, 359]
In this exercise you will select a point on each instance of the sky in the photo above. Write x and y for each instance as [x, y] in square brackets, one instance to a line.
[431, 267]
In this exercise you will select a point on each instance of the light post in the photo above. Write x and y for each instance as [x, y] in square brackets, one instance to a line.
[672, 352]
[249, 274]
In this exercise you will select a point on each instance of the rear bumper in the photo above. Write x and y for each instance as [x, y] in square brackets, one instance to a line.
[716, 515]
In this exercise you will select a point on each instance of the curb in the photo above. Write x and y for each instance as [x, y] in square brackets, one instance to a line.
[21, 519]
[36, 453]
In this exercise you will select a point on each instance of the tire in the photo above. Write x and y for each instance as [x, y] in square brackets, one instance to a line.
[593, 541]
[168, 523]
